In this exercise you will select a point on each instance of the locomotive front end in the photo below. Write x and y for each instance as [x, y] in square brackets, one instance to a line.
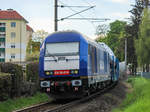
[60, 67]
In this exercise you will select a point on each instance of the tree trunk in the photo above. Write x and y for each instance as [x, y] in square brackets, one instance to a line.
[147, 67]
[143, 68]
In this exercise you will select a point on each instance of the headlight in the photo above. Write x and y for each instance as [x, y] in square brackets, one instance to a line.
[49, 72]
[74, 71]
[76, 82]
[45, 83]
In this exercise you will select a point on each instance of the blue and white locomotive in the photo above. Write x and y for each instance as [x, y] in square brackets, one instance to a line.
[71, 65]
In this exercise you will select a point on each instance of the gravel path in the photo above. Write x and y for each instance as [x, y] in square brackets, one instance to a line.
[105, 102]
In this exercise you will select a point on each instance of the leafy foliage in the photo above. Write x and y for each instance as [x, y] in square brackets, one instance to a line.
[115, 38]
[33, 50]
[143, 42]
[39, 35]
[120, 30]
[132, 33]
[32, 72]
[17, 76]
[34, 57]
[5, 86]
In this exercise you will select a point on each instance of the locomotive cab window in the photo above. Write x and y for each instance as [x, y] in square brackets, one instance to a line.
[66, 48]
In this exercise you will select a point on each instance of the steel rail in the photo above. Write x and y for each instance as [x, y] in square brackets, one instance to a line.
[33, 108]
[76, 102]
[58, 107]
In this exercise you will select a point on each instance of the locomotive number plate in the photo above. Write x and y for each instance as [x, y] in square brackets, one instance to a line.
[61, 72]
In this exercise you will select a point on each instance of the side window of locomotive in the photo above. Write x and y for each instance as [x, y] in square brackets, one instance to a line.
[92, 51]
[105, 61]
[89, 49]
[95, 50]
[93, 59]
[102, 60]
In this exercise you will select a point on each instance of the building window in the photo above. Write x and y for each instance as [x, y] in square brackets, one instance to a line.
[13, 34]
[13, 24]
[12, 56]
[2, 24]
[12, 45]
[2, 35]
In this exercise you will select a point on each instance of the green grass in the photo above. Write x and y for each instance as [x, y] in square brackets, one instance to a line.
[139, 99]
[14, 104]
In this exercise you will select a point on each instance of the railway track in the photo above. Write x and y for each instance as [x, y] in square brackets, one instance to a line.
[38, 108]
[53, 107]
[77, 102]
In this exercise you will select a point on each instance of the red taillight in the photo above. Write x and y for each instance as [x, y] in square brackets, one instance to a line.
[68, 83]
[56, 83]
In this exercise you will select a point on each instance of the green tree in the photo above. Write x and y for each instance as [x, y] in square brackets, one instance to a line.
[132, 31]
[33, 50]
[39, 35]
[29, 47]
[33, 47]
[115, 38]
[143, 42]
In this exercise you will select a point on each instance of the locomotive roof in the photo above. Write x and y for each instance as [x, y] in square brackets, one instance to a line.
[106, 48]
[63, 36]
[75, 36]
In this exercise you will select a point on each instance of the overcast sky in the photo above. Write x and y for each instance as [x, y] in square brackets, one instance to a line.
[40, 13]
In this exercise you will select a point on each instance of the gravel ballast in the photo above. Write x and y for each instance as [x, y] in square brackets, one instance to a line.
[105, 102]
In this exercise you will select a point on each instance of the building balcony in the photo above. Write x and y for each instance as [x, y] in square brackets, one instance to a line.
[2, 33]
[2, 59]
[2, 39]
[2, 46]
[2, 29]
[2, 36]
[2, 25]
[2, 49]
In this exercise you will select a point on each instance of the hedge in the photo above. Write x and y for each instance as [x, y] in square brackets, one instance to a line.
[5, 86]
[16, 75]
[11, 80]
[32, 73]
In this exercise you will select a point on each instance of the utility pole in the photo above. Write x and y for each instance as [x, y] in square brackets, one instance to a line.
[56, 16]
[125, 54]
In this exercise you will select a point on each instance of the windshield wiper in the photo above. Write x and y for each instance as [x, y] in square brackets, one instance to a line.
[49, 54]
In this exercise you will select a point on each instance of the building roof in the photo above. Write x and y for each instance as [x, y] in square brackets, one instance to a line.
[10, 14]
[29, 28]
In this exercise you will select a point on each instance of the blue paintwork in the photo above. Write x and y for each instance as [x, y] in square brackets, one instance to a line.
[85, 64]
[66, 37]
[117, 71]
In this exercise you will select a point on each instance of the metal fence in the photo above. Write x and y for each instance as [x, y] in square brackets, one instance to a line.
[144, 74]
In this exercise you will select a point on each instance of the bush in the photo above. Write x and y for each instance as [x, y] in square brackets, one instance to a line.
[17, 76]
[33, 57]
[5, 86]
[28, 89]
[32, 73]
